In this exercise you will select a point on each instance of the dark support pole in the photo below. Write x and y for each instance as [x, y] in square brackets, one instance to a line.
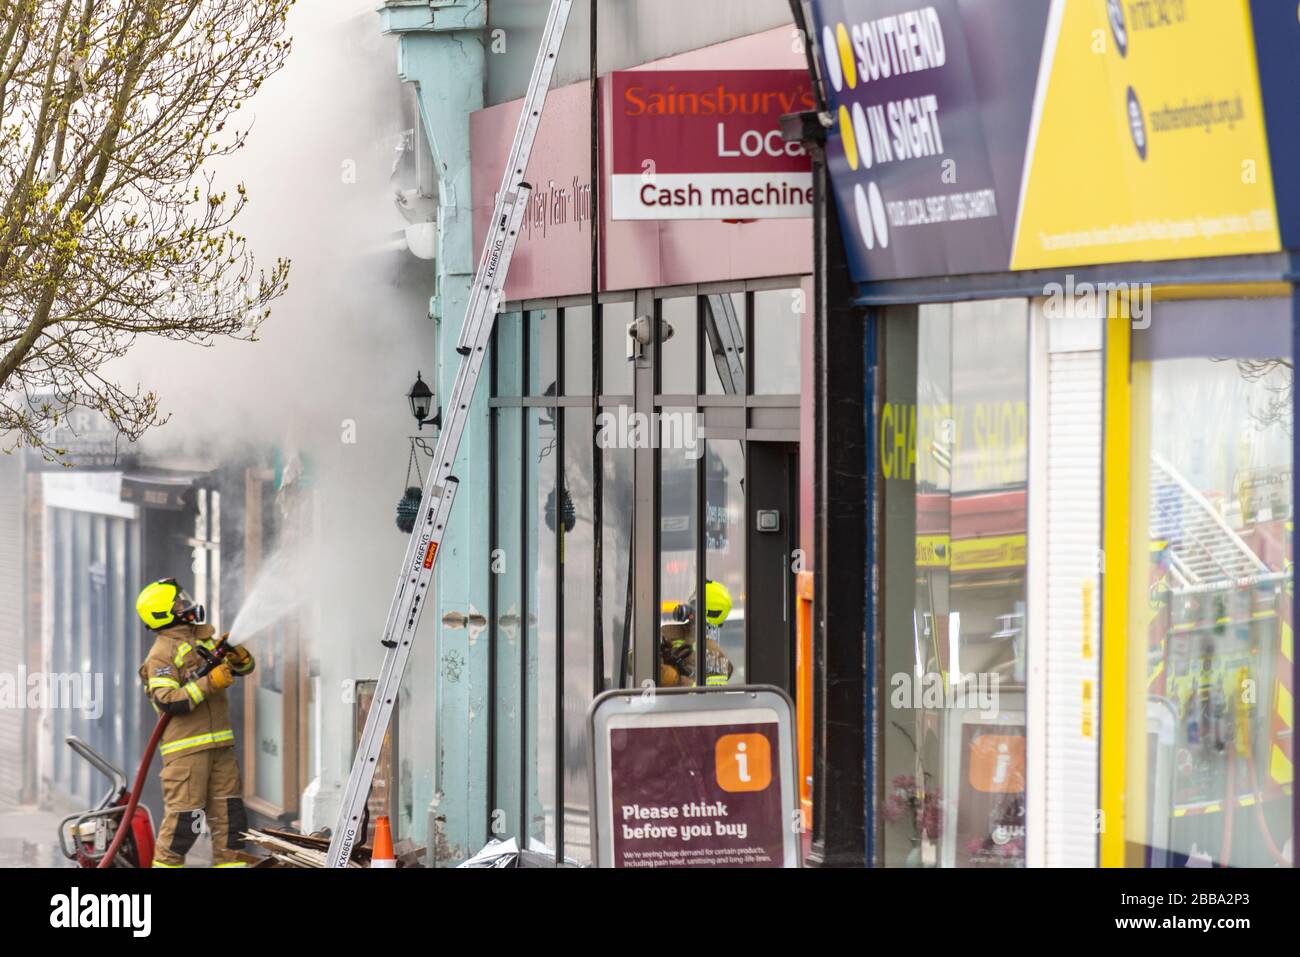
[645, 513]
[598, 350]
[701, 496]
[494, 612]
[842, 714]
[527, 632]
[843, 629]
[561, 482]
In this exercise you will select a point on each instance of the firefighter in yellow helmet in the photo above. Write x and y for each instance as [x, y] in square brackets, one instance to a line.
[677, 641]
[200, 776]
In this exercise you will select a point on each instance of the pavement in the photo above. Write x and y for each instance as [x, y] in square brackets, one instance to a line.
[29, 837]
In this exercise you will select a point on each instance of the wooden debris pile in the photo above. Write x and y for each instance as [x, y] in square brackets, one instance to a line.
[291, 849]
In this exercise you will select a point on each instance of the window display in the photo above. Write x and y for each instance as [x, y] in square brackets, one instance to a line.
[953, 442]
[1211, 586]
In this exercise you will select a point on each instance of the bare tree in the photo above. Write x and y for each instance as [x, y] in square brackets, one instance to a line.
[112, 224]
[1277, 378]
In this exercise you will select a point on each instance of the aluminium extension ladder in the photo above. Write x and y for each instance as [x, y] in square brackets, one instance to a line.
[440, 486]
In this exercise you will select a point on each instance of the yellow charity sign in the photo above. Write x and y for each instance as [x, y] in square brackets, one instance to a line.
[1149, 139]
[932, 551]
[985, 554]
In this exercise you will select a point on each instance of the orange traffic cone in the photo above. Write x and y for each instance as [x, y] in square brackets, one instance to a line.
[382, 853]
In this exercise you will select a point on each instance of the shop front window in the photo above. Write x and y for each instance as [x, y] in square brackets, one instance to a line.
[568, 454]
[616, 466]
[509, 632]
[953, 439]
[542, 347]
[574, 526]
[1210, 587]
[777, 314]
[679, 325]
[577, 350]
[268, 717]
[205, 553]
[616, 366]
[541, 490]
[678, 530]
[544, 577]
[507, 579]
[725, 365]
[616, 559]
[724, 543]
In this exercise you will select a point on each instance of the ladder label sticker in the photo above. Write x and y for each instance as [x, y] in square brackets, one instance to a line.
[429, 553]
[498, 248]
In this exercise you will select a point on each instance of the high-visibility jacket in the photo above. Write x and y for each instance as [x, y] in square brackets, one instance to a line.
[677, 660]
[200, 713]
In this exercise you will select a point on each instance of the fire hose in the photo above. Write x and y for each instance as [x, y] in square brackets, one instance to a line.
[1229, 811]
[1244, 746]
[1264, 831]
[124, 825]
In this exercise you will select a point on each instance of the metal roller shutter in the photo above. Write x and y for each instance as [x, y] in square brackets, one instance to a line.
[1074, 563]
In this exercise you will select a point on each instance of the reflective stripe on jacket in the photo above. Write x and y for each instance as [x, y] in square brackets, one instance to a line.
[680, 654]
[197, 741]
[200, 713]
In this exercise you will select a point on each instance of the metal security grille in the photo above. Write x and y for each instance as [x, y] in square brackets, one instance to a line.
[1073, 605]
[94, 570]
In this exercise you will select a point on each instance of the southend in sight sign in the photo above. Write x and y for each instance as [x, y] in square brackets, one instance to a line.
[1013, 135]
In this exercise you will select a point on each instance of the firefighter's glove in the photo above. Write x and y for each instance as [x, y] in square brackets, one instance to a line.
[221, 677]
[669, 677]
[677, 654]
[237, 657]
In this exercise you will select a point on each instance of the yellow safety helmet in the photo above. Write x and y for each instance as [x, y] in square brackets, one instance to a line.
[164, 602]
[717, 603]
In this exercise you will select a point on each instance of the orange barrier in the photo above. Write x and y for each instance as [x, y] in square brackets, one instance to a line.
[804, 691]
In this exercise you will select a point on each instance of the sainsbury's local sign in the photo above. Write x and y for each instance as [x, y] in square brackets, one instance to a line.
[706, 144]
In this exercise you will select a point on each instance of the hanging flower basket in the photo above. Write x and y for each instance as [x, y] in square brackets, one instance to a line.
[568, 511]
[408, 509]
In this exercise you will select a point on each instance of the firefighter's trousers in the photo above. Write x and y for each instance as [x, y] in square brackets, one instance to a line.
[196, 786]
